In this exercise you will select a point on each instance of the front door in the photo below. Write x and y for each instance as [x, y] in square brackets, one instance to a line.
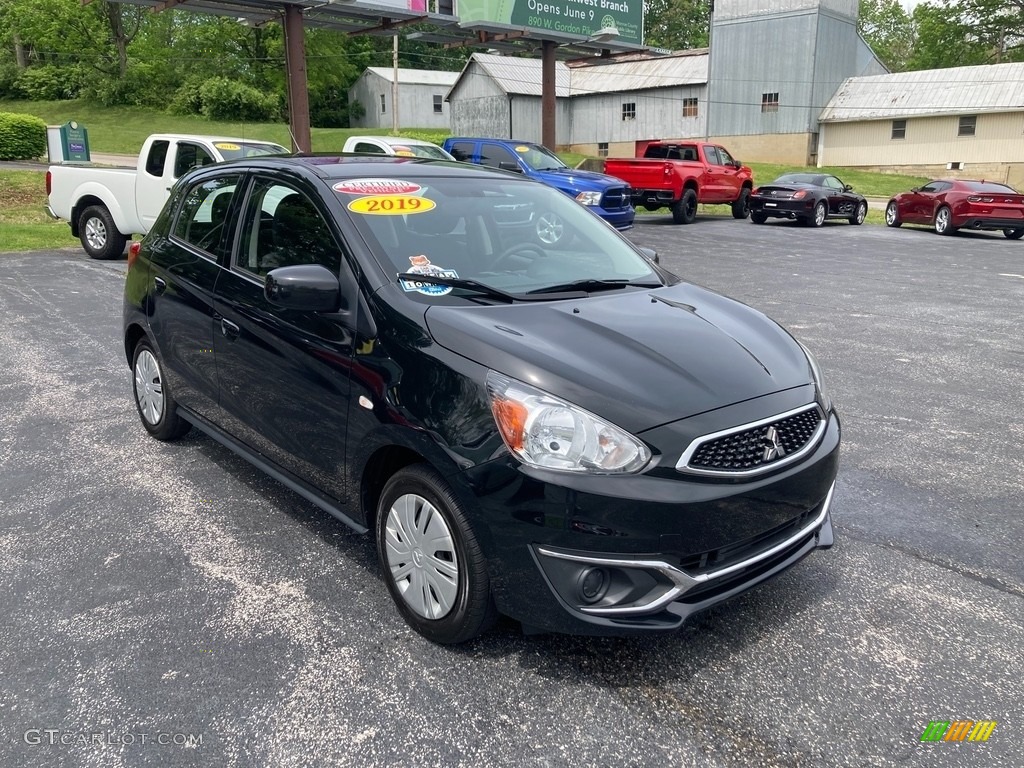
[284, 374]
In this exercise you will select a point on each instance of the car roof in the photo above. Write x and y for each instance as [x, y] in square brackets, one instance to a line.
[353, 166]
[392, 140]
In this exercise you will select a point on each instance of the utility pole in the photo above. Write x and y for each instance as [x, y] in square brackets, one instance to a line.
[394, 86]
[707, 89]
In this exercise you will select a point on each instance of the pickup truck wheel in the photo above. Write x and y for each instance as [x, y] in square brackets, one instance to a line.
[741, 207]
[860, 214]
[550, 228]
[758, 218]
[99, 235]
[684, 210]
[433, 564]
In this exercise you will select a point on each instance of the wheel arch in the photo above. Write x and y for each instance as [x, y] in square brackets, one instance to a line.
[380, 466]
[133, 334]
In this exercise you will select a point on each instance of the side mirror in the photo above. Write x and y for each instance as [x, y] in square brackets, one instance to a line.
[915, 190]
[651, 254]
[308, 287]
[508, 165]
[847, 188]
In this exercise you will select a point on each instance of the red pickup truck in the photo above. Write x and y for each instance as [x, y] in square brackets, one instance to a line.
[681, 175]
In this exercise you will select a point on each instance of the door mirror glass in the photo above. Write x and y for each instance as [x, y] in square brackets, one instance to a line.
[309, 287]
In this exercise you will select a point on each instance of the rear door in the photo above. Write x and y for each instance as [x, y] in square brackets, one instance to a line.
[284, 374]
[713, 183]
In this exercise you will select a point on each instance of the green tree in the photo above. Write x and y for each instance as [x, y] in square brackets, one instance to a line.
[945, 37]
[888, 29]
[676, 24]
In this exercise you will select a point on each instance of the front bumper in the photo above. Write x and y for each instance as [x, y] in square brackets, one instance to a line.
[621, 218]
[607, 556]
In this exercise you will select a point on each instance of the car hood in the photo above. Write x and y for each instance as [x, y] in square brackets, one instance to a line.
[589, 181]
[639, 358]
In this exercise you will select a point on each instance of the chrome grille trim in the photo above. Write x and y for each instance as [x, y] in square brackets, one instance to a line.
[683, 465]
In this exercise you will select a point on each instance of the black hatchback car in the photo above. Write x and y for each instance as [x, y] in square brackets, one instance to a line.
[566, 433]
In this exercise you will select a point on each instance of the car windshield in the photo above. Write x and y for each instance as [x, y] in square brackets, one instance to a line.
[232, 150]
[420, 150]
[512, 235]
[989, 186]
[539, 158]
[798, 178]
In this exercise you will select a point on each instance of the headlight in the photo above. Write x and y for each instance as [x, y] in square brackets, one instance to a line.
[819, 380]
[589, 198]
[543, 431]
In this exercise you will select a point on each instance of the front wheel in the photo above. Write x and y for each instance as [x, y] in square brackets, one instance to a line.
[892, 215]
[684, 210]
[99, 234]
[741, 207]
[944, 221]
[758, 218]
[1014, 234]
[433, 565]
[153, 399]
[860, 214]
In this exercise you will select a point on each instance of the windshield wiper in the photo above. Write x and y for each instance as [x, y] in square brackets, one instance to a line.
[481, 288]
[591, 285]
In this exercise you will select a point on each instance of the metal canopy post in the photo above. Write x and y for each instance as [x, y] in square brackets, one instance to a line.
[547, 99]
[298, 92]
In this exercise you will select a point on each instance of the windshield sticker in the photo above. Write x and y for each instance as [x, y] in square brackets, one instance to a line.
[376, 187]
[521, 149]
[227, 146]
[404, 153]
[391, 205]
[421, 266]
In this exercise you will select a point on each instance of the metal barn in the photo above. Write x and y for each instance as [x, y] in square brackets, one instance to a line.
[421, 98]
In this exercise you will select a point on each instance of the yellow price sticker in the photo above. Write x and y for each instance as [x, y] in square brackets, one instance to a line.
[391, 205]
[227, 146]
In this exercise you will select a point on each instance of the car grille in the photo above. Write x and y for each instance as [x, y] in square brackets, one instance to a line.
[616, 197]
[757, 447]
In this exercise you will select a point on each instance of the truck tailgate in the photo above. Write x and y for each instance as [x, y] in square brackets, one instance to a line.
[649, 174]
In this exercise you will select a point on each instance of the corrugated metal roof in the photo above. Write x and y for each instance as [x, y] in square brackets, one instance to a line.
[522, 76]
[417, 76]
[958, 90]
[690, 68]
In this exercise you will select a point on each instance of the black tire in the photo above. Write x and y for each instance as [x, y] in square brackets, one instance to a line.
[741, 206]
[418, 498]
[944, 221]
[684, 210]
[860, 213]
[818, 215]
[758, 218]
[1013, 234]
[892, 215]
[98, 233]
[156, 405]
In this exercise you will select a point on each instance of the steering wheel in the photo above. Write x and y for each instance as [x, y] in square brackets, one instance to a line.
[517, 249]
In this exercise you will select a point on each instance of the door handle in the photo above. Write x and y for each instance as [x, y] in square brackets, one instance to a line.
[159, 284]
[229, 329]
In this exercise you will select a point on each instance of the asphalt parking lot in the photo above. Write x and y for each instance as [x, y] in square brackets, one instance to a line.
[165, 605]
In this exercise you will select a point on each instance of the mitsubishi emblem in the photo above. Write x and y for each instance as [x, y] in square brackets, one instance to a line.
[773, 448]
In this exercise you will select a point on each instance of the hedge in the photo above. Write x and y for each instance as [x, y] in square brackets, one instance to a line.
[22, 137]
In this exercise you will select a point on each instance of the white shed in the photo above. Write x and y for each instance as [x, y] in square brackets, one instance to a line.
[421, 102]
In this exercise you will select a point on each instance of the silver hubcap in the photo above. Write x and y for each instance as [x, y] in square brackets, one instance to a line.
[149, 389]
[95, 234]
[942, 220]
[819, 215]
[549, 228]
[421, 556]
[890, 214]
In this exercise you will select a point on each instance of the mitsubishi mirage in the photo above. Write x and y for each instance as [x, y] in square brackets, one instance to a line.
[563, 433]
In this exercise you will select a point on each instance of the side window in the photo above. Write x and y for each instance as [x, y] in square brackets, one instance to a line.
[204, 214]
[188, 157]
[157, 158]
[494, 155]
[833, 183]
[932, 186]
[462, 150]
[711, 155]
[282, 228]
[724, 158]
[373, 149]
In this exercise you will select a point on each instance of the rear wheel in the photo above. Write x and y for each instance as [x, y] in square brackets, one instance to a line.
[99, 235]
[817, 217]
[741, 207]
[758, 218]
[892, 215]
[153, 399]
[860, 214]
[1014, 234]
[684, 210]
[944, 221]
[433, 565]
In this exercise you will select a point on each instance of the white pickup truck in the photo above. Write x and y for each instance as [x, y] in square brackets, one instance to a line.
[106, 206]
[395, 145]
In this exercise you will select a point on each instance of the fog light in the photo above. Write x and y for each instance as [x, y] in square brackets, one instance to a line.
[592, 585]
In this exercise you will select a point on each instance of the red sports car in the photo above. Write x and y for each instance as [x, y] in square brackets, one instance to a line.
[952, 204]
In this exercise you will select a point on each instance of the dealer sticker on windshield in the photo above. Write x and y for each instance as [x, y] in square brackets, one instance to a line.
[391, 205]
[376, 187]
[421, 266]
[227, 146]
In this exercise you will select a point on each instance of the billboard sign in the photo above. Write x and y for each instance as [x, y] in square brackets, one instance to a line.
[563, 17]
